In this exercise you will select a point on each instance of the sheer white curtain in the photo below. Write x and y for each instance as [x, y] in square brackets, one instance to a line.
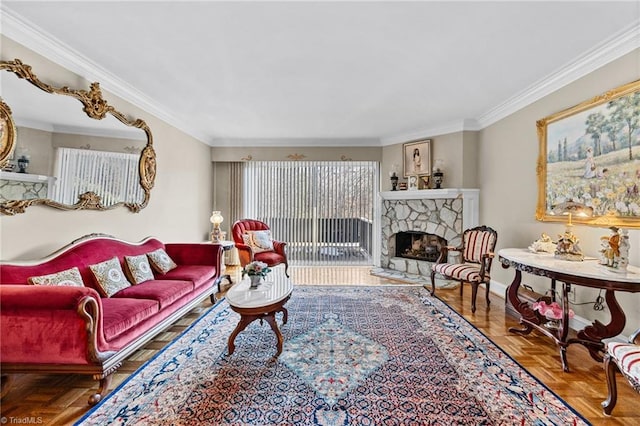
[114, 176]
[231, 257]
[324, 210]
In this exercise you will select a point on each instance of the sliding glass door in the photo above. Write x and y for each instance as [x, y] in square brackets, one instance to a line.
[324, 210]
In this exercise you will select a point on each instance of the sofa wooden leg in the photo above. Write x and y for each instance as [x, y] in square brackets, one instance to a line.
[610, 368]
[105, 382]
[5, 384]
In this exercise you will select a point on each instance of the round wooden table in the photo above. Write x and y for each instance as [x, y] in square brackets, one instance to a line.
[261, 303]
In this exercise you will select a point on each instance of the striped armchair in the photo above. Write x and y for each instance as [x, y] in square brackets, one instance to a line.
[625, 358]
[477, 249]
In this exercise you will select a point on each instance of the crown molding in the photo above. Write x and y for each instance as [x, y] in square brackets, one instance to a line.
[32, 37]
[452, 127]
[625, 41]
[294, 142]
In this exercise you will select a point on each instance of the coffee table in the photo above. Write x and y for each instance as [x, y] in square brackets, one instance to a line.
[261, 303]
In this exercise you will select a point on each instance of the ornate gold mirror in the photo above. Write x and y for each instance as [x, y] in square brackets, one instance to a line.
[70, 156]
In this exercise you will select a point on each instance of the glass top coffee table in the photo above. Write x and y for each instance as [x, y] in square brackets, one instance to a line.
[261, 303]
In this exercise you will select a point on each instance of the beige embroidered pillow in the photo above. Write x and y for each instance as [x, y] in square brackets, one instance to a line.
[139, 268]
[160, 261]
[110, 276]
[259, 241]
[70, 277]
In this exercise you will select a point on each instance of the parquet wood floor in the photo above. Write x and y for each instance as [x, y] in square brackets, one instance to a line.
[62, 399]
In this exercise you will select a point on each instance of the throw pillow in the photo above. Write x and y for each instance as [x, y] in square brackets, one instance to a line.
[259, 241]
[160, 261]
[139, 268]
[70, 277]
[110, 276]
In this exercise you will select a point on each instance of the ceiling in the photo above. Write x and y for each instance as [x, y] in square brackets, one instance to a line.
[326, 73]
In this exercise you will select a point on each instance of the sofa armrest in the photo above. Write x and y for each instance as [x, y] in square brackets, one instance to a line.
[196, 254]
[49, 325]
[20, 296]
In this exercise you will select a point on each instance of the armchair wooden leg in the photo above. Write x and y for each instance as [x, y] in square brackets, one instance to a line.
[474, 293]
[433, 283]
[286, 269]
[488, 286]
[610, 368]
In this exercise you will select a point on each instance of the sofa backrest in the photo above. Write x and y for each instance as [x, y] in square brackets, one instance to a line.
[80, 253]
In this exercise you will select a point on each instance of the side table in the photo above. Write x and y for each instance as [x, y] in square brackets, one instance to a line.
[226, 246]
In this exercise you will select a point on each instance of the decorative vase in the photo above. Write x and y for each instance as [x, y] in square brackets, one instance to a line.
[552, 324]
[255, 280]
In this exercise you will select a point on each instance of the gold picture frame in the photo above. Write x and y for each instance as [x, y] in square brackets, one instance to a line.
[417, 158]
[589, 160]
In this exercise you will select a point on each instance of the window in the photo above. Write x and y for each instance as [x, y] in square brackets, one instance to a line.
[324, 210]
[113, 176]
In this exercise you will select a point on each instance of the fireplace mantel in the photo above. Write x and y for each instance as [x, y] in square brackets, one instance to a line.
[423, 194]
[470, 197]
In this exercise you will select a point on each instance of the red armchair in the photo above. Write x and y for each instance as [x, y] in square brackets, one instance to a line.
[247, 254]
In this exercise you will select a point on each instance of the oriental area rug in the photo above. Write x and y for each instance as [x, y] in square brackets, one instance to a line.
[389, 355]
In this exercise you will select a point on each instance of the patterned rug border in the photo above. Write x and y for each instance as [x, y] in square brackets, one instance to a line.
[149, 361]
[573, 410]
[325, 286]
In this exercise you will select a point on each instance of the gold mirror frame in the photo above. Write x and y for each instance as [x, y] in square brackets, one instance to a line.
[96, 108]
[596, 173]
[7, 133]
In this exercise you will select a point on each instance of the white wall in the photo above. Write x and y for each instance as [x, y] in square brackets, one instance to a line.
[508, 182]
[180, 203]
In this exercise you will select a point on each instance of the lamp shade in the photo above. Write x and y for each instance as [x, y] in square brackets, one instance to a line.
[216, 218]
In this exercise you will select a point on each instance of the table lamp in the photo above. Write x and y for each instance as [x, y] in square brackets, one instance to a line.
[216, 219]
[568, 247]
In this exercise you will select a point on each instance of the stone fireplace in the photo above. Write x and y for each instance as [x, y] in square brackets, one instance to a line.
[415, 224]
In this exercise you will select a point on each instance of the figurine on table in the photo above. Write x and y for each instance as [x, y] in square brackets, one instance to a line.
[567, 247]
[614, 252]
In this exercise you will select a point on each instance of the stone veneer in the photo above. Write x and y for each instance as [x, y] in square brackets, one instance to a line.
[442, 217]
[445, 213]
[24, 186]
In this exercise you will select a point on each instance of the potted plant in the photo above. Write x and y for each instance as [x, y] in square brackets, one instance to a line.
[256, 271]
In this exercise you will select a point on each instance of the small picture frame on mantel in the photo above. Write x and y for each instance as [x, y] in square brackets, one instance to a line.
[413, 182]
[424, 182]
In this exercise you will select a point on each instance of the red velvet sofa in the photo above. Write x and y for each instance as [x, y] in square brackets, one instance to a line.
[63, 329]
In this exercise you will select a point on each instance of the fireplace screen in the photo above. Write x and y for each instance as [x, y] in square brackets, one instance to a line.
[419, 245]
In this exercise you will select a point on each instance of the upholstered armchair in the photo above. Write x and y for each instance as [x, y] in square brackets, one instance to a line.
[478, 245]
[624, 358]
[253, 241]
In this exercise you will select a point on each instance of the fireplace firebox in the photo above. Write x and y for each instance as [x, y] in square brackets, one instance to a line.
[419, 245]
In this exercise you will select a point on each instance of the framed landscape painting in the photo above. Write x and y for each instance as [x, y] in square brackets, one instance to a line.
[589, 161]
